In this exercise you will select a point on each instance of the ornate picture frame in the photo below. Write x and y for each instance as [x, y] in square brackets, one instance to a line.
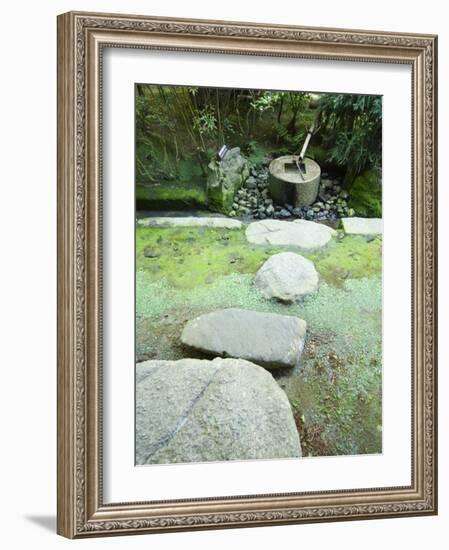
[82, 38]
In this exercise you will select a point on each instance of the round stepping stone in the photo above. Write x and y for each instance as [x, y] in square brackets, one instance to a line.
[301, 233]
[194, 410]
[268, 339]
[287, 277]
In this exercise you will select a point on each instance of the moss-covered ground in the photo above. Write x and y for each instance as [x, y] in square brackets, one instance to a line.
[171, 195]
[366, 195]
[336, 391]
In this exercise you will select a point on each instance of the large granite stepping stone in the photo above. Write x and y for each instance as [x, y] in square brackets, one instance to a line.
[301, 233]
[194, 410]
[190, 221]
[268, 339]
[287, 277]
[362, 226]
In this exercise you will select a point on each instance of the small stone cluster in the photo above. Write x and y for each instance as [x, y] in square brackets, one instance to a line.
[254, 201]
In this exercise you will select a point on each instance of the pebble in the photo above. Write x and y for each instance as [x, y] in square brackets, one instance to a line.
[254, 201]
[151, 253]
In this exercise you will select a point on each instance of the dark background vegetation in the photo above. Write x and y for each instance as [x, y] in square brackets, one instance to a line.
[179, 129]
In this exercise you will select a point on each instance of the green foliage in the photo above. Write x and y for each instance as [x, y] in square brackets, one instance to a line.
[177, 123]
[366, 195]
[256, 153]
[205, 120]
[351, 129]
[266, 101]
[179, 129]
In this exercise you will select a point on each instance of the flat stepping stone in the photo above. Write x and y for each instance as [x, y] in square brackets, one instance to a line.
[190, 221]
[301, 233]
[268, 339]
[363, 226]
[287, 277]
[195, 410]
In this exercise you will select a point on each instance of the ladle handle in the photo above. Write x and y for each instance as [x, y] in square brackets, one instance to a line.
[306, 144]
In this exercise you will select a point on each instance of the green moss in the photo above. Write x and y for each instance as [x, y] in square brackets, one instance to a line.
[366, 195]
[336, 394]
[353, 257]
[188, 257]
[171, 195]
[189, 170]
[221, 198]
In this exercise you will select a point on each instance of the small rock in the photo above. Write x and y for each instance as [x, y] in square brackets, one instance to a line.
[287, 277]
[151, 253]
[235, 257]
[284, 213]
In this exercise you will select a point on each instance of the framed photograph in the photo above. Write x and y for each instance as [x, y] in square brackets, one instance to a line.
[246, 274]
